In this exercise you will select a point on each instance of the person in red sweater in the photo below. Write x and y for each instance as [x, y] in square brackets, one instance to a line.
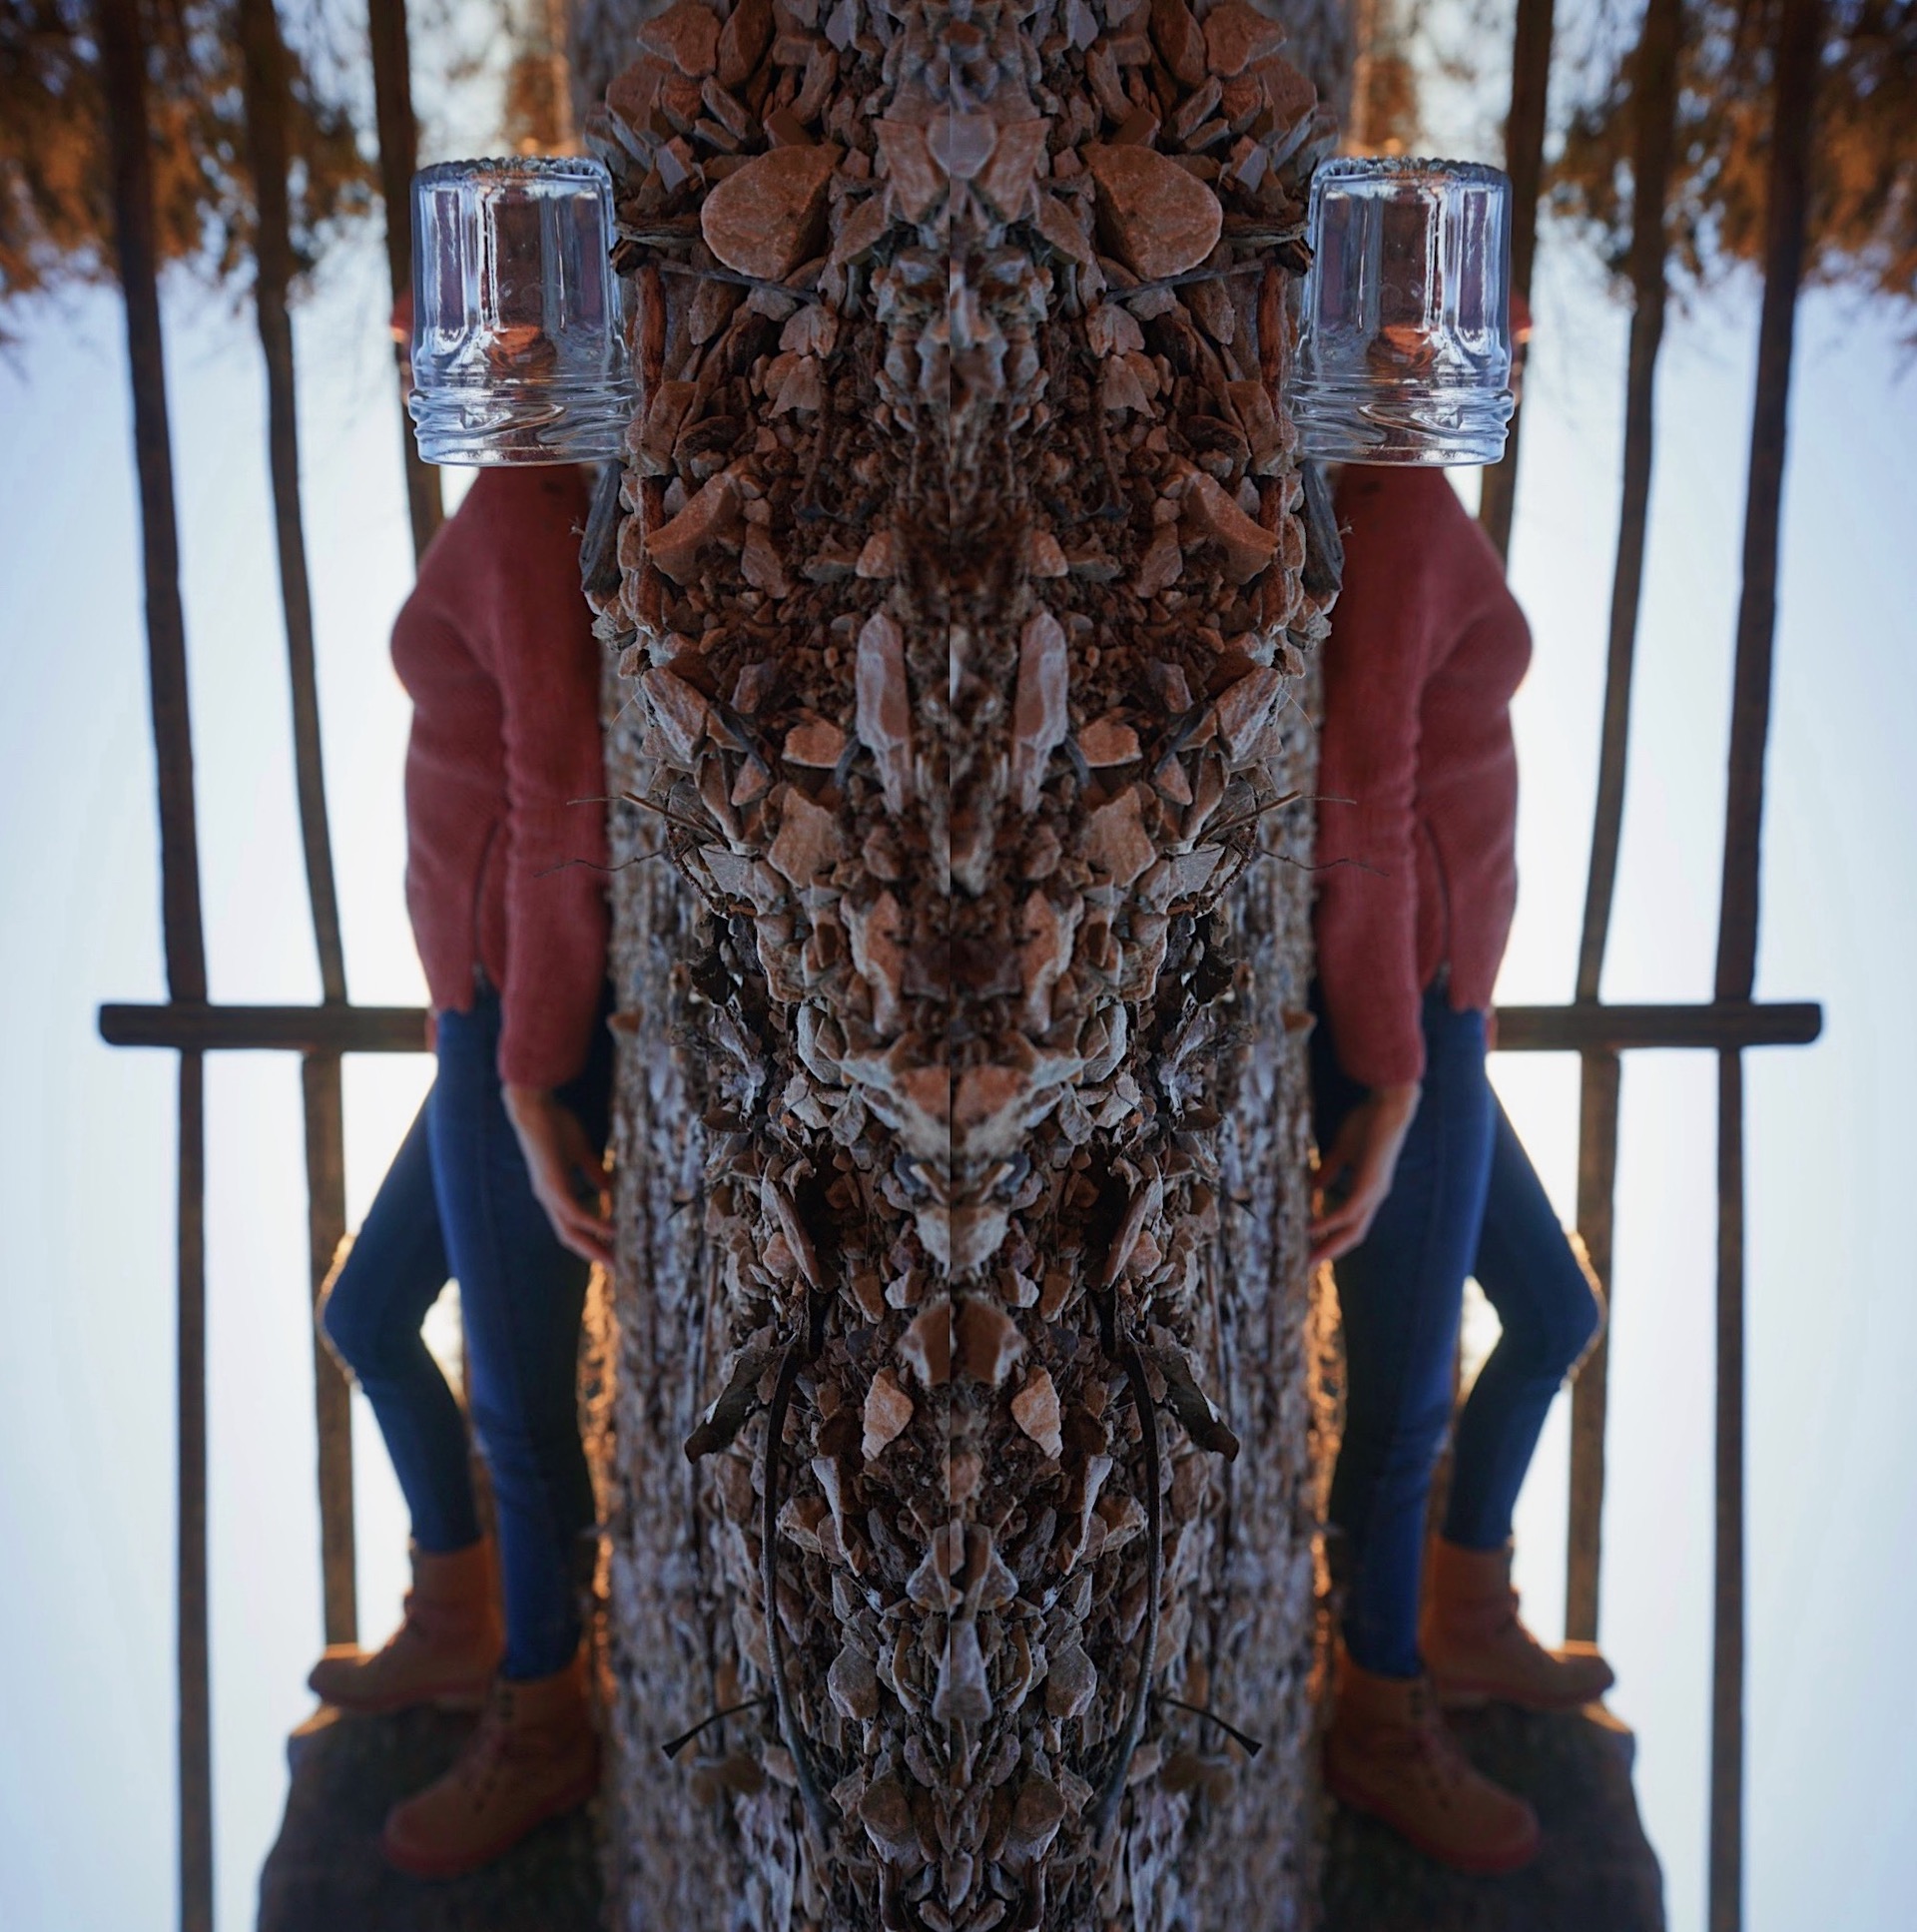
[1421, 1179]
[500, 1181]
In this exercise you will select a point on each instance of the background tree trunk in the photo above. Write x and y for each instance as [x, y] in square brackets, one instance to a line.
[963, 591]
[267, 82]
[392, 54]
[1801, 27]
[1525, 162]
[123, 64]
[1655, 86]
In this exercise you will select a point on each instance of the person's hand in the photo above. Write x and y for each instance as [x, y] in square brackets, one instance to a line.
[568, 1173]
[1355, 1171]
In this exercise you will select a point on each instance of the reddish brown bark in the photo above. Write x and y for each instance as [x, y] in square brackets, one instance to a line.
[966, 579]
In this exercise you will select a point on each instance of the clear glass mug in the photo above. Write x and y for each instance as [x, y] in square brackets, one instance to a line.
[1405, 351]
[518, 350]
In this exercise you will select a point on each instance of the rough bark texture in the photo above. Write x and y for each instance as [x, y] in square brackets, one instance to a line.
[600, 34]
[958, 581]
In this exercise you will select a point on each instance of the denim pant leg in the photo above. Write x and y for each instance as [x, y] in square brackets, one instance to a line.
[1400, 1293]
[1550, 1313]
[371, 1316]
[521, 1296]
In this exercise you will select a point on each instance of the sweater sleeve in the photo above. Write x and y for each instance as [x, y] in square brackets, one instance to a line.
[547, 667]
[1375, 668]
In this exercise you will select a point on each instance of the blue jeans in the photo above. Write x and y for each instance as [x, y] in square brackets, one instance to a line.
[1464, 1201]
[457, 1202]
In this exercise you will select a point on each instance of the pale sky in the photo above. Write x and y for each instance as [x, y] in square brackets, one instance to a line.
[86, 1140]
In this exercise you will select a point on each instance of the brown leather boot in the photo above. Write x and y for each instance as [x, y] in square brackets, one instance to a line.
[1388, 1753]
[534, 1755]
[1476, 1648]
[445, 1651]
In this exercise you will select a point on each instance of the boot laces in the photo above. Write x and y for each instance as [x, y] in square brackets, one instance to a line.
[1435, 1755]
[1501, 1615]
[489, 1747]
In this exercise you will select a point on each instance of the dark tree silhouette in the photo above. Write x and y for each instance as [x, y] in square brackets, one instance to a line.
[56, 223]
[1863, 173]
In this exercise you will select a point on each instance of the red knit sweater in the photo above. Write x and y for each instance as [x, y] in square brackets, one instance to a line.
[1426, 647]
[495, 649]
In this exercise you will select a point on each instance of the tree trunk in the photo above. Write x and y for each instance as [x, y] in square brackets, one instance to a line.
[123, 74]
[268, 103]
[1799, 59]
[123, 77]
[1655, 113]
[398, 155]
[1530, 46]
[1654, 117]
[964, 586]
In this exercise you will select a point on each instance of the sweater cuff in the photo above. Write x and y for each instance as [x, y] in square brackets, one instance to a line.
[543, 1055]
[1391, 1054]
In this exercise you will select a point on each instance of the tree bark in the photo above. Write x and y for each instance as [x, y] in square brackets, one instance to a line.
[967, 586]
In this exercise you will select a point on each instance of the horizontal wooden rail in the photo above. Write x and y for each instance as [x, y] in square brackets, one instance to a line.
[193, 1027]
[1722, 1025]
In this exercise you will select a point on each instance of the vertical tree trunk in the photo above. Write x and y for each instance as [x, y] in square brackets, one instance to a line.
[398, 155]
[1364, 37]
[1655, 122]
[268, 102]
[965, 575]
[1799, 52]
[1525, 162]
[123, 74]
[564, 134]
[1800, 35]
[1654, 103]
